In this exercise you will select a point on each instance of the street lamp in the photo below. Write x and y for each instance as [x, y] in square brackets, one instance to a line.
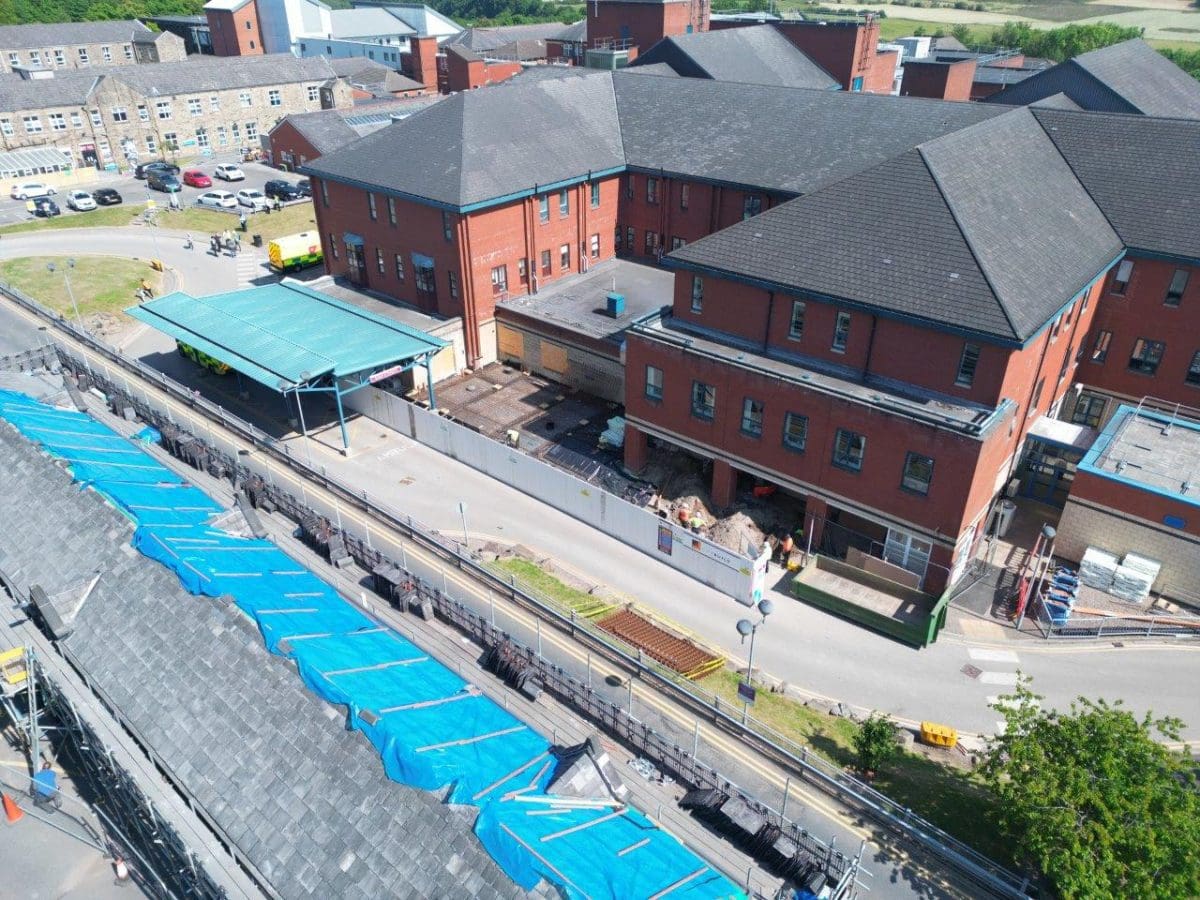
[462, 511]
[746, 628]
[51, 268]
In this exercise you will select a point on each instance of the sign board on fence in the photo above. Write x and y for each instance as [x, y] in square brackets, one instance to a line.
[386, 373]
[666, 539]
[758, 577]
[746, 692]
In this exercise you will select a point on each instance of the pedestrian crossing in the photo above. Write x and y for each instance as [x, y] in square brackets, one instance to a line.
[997, 669]
[249, 268]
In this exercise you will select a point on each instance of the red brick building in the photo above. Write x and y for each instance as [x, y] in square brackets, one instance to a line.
[467, 70]
[643, 23]
[939, 80]
[234, 27]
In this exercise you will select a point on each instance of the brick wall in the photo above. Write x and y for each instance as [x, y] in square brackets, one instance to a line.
[119, 53]
[235, 33]
[643, 24]
[939, 80]
[289, 147]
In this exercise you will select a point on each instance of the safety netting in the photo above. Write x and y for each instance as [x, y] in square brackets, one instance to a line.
[432, 728]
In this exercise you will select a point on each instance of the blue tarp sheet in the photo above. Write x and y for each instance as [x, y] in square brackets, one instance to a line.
[432, 728]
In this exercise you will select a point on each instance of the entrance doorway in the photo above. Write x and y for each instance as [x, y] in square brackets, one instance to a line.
[356, 261]
[1048, 472]
[907, 551]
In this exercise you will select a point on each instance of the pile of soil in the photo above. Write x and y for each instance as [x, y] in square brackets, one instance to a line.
[739, 532]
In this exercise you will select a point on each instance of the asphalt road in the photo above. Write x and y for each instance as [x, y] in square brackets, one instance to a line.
[134, 191]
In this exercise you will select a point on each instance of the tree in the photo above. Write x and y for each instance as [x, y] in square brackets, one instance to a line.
[962, 34]
[875, 742]
[1101, 807]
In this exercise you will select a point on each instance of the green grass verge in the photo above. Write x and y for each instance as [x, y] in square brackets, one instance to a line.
[890, 29]
[105, 217]
[530, 575]
[100, 284]
[203, 222]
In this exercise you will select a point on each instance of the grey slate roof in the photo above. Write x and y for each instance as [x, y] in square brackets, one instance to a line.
[212, 73]
[66, 88]
[37, 35]
[1130, 77]
[367, 22]
[485, 40]
[325, 130]
[371, 76]
[573, 33]
[479, 145]
[759, 54]
[293, 789]
[1143, 173]
[984, 230]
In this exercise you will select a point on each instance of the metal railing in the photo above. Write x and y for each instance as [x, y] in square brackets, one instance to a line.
[893, 817]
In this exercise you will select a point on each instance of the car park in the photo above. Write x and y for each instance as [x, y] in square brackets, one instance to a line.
[31, 189]
[163, 181]
[196, 178]
[304, 186]
[229, 172]
[106, 197]
[45, 208]
[223, 199]
[81, 201]
[278, 189]
[252, 198]
[161, 165]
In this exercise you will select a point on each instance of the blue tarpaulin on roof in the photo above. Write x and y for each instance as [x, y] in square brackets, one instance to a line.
[431, 727]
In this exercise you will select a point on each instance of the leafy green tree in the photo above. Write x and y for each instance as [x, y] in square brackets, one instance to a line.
[962, 33]
[875, 742]
[1090, 797]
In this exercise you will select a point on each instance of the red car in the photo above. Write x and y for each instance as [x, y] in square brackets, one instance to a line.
[196, 178]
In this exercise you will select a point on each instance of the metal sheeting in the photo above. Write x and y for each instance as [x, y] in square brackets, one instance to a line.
[34, 161]
[286, 332]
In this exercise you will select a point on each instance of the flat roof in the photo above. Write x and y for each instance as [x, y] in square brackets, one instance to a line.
[938, 410]
[1151, 451]
[579, 304]
[286, 332]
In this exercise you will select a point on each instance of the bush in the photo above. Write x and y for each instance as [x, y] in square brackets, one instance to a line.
[875, 743]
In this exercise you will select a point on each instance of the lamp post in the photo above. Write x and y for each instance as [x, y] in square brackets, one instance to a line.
[462, 511]
[51, 268]
[746, 628]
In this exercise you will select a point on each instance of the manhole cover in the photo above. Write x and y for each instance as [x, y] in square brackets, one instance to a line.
[971, 671]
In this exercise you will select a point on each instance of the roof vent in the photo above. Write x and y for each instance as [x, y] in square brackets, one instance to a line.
[347, 861]
[1121, 466]
[1185, 487]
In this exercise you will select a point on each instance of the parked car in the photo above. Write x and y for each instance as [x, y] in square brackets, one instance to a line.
[252, 198]
[81, 201]
[106, 197]
[196, 178]
[159, 165]
[31, 189]
[304, 186]
[163, 181]
[229, 172]
[223, 199]
[278, 189]
[46, 208]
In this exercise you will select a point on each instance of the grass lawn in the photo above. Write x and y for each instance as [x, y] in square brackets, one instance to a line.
[529, 575]
[101, 284]
[890, 29]
[203, 222]
[105, 217]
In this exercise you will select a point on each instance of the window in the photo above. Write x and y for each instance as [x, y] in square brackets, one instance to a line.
[76, 120]
[252, 131]
[752, 417]
[143, 113]
[697, 294]
[128, 49]
[214, 103]
[795, 431]
[796, 324]
[595, 246]
[106, 52]
[849, 449]
[83, 56]
[391, 206]
[544, 208]
[683, 195]
[629, 186]
[522, 270]
[546, 265]
[1089, 410]
[651, 242]
[1120, 279]
[452, 277]
[651, 189]
[751, 206]
[654, 383]
[244, 99]
[1146, 356]
[918, 472]
[564, 203]
[33, 124]
[425, 279]
[274, 98]
[1193, 372]
[237, 133]
[325, 194]
[677, 242]
[151, 144]
[968, 362]
[163, 109]
[564, 257]
[6, 127]
[704, 400]
[35, 58]
[222, 135]
[380, 265]
[372, 211]
[841, 332]
[499, 279]
[1037, 395]
[202, 136]
[595, 194]
[58, 122]
[170, 139]
[14, 59]
[94, 114]
[1066, 363]
[447, 226]
[1100, 348]
[60, 58]
[247, 24]
[1054, 328]
[857, 84]
[1178, 285]
[314, 93]
[630, 239]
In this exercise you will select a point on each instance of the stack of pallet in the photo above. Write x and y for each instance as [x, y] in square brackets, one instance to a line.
[1098, 568]
[1134, 578]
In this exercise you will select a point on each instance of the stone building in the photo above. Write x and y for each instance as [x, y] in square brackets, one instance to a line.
[120, 116]
[82, 45]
